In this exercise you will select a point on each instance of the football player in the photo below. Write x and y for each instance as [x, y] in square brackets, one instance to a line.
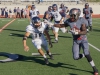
[63, 10]
[78, 30]
[37, 30]
[58, 19]
[87, 11]
[47, 16]
[33, 13]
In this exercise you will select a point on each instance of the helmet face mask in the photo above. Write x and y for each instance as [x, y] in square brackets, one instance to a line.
[86, 5]
[36, 22]
[74, 14]
[50, 8]
[62, 5]
[33, 7]
[54, 7]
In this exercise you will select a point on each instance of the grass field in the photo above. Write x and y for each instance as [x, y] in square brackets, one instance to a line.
[63, 63]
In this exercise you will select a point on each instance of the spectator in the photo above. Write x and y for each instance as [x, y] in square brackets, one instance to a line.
[2, 12]
[25, 13]
[10, 13]
[15, 12]
[6, 13]
[18, 13]
[22, 13]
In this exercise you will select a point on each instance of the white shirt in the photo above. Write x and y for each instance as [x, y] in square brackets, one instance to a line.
[56, 15]
[34, 13]
[37, 33]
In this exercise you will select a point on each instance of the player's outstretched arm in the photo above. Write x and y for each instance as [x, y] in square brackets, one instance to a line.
[26, 48]
[48, 37]
[59, 25]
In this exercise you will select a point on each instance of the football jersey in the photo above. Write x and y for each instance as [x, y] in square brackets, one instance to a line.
[34, 13]
[63, 10]
[49, 15]
[37, 33]
[77, 26]
[56, 15]
[87, 12]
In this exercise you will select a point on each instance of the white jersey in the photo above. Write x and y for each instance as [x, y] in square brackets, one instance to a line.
[34, 13]
[57, 16]
[37, 33]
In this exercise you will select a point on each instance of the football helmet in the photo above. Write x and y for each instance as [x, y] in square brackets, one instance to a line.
[74, 13]
[61, 5]
[33, 7]
[50, 8]
[36, 21]
[86, 5]
[54, 7]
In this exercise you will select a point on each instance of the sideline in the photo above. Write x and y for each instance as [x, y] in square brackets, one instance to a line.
[6, 25]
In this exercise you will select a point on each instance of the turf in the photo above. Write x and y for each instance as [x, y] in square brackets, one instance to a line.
[63, 63]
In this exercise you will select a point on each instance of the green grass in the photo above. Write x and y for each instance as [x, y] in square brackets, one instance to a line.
[4, 21]
[63, 63]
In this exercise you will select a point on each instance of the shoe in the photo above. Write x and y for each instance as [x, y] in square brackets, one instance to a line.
[96, 73]
[56, 41]
[46, 61]
[51, 56]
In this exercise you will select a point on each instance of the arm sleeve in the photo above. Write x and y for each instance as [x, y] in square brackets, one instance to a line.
[29, 29]
[38, 12]
[83, 11]
[84, 21]
[91, 11]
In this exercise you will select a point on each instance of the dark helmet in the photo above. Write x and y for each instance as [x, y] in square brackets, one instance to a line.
[50, 8]
[86, 5]
[54, 6]
[33, 6]
[62, 5]
[75, 12]
[35, 20]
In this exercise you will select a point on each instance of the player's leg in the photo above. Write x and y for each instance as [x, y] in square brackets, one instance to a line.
[64, 30]
[55, 31]
[37, 45]
[45, 47]
[75, 50]
[90, 24]
[88, 56]
[87, 26]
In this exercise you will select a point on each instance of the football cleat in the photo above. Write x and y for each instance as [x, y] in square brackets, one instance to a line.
[56, 41]
[51, 56]
[96, 73]
[46, 61]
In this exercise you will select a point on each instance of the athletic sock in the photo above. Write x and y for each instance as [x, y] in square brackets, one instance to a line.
[44, 56]
[56, 39]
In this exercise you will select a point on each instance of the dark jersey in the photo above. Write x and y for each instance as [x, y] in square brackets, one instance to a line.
[77, 26]
[87, 12]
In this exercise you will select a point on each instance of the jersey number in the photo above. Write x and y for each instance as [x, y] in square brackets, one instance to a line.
[86, 12]
[37, 35]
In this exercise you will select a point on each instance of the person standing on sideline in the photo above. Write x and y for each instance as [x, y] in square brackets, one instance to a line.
[15, 12]
[10, 13]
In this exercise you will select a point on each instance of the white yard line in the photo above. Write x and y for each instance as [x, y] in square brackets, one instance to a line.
[94, 47]
[6, 25]
[5, 20]
[21, 20]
